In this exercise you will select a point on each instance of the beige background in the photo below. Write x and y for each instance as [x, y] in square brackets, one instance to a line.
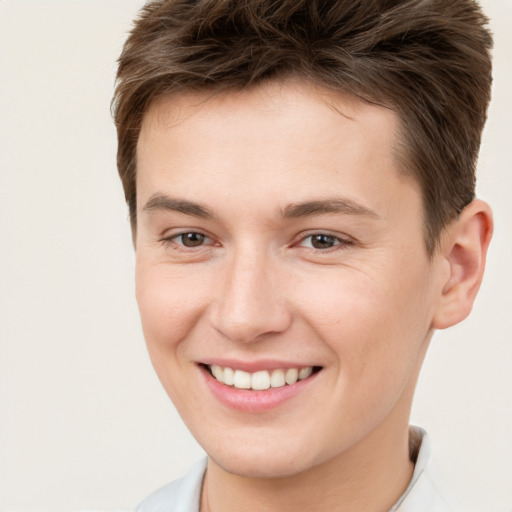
[84, 423]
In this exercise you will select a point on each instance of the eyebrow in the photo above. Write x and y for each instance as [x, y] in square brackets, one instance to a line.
[320, 207]
[161, 202]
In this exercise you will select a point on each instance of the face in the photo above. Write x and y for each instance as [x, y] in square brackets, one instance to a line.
[277, 237]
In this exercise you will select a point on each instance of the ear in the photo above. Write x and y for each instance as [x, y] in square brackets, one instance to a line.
[464, 250]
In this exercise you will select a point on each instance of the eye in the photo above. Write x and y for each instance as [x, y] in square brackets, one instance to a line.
[323, 241]
[190, 239]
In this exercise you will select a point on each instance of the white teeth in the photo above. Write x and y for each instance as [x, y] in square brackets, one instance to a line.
[229, 377]
[292, 376]
[260, 380]
[242, 380]
[217, 372]
[277, 379]
[304, 373]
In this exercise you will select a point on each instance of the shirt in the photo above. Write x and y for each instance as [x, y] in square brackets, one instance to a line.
[423, 494]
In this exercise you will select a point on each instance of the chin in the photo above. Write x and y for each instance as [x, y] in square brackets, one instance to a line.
[261, 468]
[263, 461]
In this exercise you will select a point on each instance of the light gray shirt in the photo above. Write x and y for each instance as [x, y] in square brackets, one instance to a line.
[423, 494]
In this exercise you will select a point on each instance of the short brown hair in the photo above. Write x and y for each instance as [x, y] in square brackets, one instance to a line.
[427, 59]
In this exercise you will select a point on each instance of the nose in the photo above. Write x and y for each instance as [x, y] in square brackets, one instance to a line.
[251, 304]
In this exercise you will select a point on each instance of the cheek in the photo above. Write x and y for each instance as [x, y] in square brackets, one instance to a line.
[369, 320]
[376, 331]
[169, 306]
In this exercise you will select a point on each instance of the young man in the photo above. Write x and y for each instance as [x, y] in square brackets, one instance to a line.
[300, 179]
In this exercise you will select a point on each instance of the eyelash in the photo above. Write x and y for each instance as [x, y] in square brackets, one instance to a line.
[339, 243]
[174, 240]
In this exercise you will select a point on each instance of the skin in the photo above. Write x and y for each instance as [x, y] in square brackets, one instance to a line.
[363, 305]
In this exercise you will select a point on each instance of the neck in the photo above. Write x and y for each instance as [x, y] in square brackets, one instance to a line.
[370, 477]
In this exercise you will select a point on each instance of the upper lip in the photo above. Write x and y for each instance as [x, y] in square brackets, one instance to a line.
[255, 366]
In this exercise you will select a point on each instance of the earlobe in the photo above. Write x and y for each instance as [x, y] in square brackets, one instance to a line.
[464, 249]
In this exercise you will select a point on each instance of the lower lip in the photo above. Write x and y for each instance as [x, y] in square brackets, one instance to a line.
[246, 400]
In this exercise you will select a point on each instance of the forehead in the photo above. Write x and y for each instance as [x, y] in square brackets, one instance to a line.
[306, 101]
[282, 140]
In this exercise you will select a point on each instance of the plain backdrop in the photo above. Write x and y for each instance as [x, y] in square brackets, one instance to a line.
[84, 423]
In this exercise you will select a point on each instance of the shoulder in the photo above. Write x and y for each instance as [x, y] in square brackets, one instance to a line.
[182, 495]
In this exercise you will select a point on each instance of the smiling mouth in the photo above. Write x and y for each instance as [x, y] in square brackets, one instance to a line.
[260, 380]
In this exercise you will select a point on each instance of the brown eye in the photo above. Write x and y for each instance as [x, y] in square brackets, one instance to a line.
[191, 239]
[323, 241]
